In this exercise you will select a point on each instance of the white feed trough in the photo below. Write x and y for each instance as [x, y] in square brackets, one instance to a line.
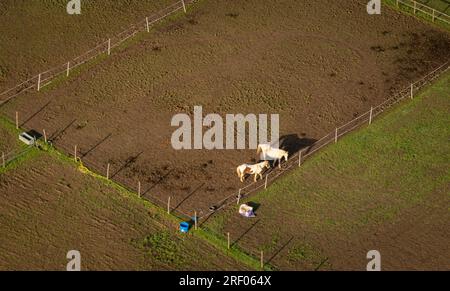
[27, 138]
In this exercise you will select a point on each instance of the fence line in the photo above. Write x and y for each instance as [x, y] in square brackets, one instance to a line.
[360, 120]
[45, 78]
[427, 10]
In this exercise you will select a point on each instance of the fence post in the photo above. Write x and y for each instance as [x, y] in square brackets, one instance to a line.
[109, 47]
[336, 136]
[147, 24]
[75, 153]
[39, 83]
[68, 69]
[107, 171]
[45, 135]
[415, 4]
[397, 4]
[139, 189]
[3, 160]
[184, 6]
[265, 184]
[412, 91]
[300, 158]
[239, 197]
[370, 117]
[262, 259]
[228, 239]
[17, 120]
[195, 220]
[168, 205]
[434, 14]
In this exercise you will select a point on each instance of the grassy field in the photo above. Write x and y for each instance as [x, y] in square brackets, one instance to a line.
[49, 206]
[384, 187]
[439, 5]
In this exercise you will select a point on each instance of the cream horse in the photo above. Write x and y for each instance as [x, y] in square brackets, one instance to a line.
[270, 153]
[256, 170]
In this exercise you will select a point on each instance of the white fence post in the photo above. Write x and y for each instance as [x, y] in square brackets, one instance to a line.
[17, 120]
[139, 189]
[39, 83]
[370, 117]
[300, 158]
[107, 171]
[109, 47]
[45, 135]
[412, 91]
[336, 136]
[168, 205]
[415, 6]
[148, 25]
[68, 69]
[184, 6]
[239, 197]
[195, 220]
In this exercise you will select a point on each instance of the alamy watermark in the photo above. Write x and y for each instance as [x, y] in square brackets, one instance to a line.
[220, 134]
[374, 7]
[74, 263]
[375, 260]
[74, 7]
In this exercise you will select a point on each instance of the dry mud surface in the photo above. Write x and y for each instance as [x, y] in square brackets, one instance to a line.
[315, 63]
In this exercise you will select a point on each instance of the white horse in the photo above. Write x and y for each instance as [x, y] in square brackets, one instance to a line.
[270, 153]
[256, 170]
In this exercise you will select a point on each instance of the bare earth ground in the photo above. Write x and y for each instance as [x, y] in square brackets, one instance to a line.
[38, 35]
[47, 207]
[385, 188]
[316, 63]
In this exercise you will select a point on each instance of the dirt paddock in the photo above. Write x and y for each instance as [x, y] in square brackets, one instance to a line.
[315, 63]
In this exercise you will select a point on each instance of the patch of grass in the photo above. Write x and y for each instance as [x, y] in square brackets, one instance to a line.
[436, 4]
[307, 254]
[163, 247]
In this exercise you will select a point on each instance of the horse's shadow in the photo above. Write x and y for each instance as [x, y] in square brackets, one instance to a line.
[292, 143]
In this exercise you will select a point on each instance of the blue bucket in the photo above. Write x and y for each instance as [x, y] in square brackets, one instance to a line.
[184, 227]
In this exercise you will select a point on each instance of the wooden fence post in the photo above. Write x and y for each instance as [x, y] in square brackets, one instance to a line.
[168, 205]
[139, 189]
[336, 136]
[300, 158]
[17, 120]
[434, 14]
[184, 6]
[45, 135]
[412, 91]
[262, 259]
[109, 47]
[147, 24]
[39, 83]
[239, 197]
[195, 220]
[265, 184]
[107, 171]
[228, 238]
[415, 7]
[75, 153]
[68, 69]
[3, 160]
[370, 117]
